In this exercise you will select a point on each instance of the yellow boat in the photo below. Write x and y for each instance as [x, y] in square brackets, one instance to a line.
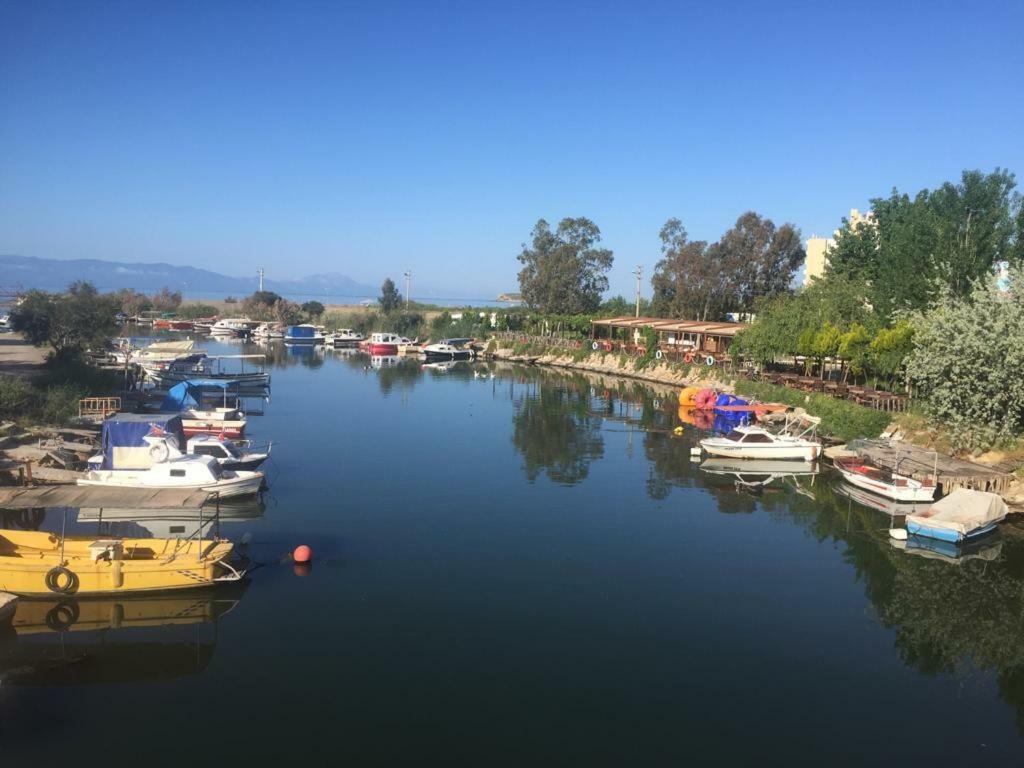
[36, 563]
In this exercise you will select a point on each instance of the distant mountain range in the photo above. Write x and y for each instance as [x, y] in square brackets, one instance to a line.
[56, 274]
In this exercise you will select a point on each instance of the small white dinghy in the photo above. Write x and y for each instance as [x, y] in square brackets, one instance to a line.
[8, 605]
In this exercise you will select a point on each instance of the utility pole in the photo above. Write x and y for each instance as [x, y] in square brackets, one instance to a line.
[260, 273]
[408, 280]
[639, 276]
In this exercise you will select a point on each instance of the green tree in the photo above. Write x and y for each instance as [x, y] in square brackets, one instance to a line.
[889, 350]
[687, 283]
[390, 299]
[967, 356]
[760, 257]
[564, 271]
[69, 322]
[313, 309]
[855, 350]
[914, 248]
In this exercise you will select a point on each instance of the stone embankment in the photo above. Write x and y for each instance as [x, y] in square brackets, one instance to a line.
[612, 365]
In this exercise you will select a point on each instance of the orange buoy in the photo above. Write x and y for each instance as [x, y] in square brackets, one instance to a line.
[687, 395]
[302, 554]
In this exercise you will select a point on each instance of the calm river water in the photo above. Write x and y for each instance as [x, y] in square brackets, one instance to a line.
[522, 567]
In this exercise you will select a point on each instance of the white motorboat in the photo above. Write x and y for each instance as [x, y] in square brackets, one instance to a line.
[233, 326]
[449, 349]
[344, 337]
[212, 368]
[409, 346]
[871, 477]
[759, 443]
[197, 472]
[230, 454]
[268, 331]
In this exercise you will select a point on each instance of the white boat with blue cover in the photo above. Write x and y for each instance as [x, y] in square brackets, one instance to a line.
[303, 334]
[963, 515]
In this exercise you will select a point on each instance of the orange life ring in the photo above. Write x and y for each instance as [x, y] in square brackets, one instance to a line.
[688, 357]
[607, 346]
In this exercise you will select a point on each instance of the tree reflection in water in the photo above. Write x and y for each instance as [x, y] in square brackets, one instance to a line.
[555, 429]
[948, 614]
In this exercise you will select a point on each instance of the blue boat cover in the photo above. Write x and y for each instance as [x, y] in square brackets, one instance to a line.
[126, 430]
[181, 396]
[300, 332]
[725, 399]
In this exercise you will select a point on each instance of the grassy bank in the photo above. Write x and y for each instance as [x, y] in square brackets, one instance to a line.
[839, 418]
[52, 397]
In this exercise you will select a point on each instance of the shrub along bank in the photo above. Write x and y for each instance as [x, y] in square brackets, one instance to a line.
[840, 419]
[52, 397]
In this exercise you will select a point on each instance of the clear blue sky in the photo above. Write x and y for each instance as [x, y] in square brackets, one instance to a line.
[370, 138]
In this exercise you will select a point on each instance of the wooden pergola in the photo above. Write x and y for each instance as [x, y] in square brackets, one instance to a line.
[676, 337]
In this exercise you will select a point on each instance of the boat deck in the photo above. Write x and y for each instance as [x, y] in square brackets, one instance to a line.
[98, 496]
[920, 464]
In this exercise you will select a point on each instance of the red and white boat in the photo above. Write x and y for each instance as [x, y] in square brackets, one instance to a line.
[884, 482]
[164, 324]
[229, 422]
[381, 344]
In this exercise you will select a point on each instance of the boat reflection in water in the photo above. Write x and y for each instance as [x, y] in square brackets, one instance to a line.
[988, 548]
[880, 503]
[69, 641]
[753, 475]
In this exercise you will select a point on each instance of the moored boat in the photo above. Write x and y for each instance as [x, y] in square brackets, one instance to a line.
[219, 421]
[233, 326]
[37, 563]
[864, 474]
[303, 334]
[449, 349]
[381, 344]
[344, 337]
[187, 472]
[963, 515]
[759, 443]
[212, 368]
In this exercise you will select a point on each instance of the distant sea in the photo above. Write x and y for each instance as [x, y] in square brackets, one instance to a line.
[332, 298]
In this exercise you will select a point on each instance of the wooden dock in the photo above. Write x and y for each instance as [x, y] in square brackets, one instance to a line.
[922, 464]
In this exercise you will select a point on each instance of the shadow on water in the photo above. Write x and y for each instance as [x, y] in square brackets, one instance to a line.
[951, 611]
[667, 607]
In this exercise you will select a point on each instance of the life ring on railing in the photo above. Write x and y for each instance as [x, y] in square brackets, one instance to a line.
[658, 354]
[159, 452]
[711, 360]
[595, 346]
[54, 584]
[607, 346]
[688, 357]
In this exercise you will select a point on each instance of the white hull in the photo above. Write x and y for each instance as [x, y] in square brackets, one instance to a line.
[245, 484]
[781, 450]
[912, 492]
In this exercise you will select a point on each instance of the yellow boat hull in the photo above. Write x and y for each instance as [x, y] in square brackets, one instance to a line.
[29, 561]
